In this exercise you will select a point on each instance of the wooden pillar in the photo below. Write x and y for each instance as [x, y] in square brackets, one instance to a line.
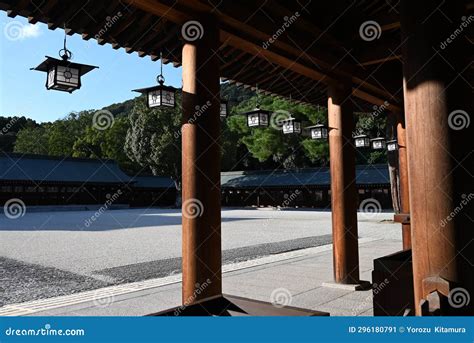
[201, 216]
[343, 186]
[403, 177]
[440, 161]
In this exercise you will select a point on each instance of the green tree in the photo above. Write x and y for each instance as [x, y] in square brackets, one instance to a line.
[32, 140]
[9, 127]
[373, 125]
[63, 133]
[287, 151]
[153, 139]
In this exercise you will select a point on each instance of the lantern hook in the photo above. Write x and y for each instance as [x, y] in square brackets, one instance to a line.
[160, 78]
[258, 98]
[65, 53]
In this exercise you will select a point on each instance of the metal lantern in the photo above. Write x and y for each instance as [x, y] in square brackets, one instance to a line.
[392, 145]
[362, 141]
[258, 117]
[224, 109]
[291, 125]
[161, 95]
[318, 131]
[378, 143]
[62, 74]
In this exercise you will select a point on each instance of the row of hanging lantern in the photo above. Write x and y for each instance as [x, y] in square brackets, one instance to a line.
[64, 75]
[378, 143]
[260, 118]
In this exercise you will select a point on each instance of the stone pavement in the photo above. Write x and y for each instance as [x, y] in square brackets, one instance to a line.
[294, 276]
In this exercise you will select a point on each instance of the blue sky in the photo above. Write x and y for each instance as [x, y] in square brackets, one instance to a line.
[23, 91]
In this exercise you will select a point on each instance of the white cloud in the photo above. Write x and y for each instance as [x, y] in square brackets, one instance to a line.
[31, 31]
[16, 30]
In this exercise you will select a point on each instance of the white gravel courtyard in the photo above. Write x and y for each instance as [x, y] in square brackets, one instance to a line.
[124, 245]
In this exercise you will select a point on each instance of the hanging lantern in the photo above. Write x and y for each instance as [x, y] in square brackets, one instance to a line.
[291, 125]
[224, 108]
[62, 74]
[392, 145]
[258, 117]
[318, 132]
[362, 141]
[378, 143]
[161, 95]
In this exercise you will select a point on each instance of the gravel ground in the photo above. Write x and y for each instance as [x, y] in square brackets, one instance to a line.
[161, 268]
[53, 253]
[21, 282]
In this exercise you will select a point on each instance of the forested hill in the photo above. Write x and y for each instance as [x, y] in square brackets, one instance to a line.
[144, 140]
[234, 95]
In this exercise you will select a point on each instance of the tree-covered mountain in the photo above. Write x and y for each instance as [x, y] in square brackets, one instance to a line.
[146, 140]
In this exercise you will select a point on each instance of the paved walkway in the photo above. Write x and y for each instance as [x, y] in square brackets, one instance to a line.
[295, 276]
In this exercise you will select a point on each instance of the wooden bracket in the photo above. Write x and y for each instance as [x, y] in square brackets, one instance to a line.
[402, 218]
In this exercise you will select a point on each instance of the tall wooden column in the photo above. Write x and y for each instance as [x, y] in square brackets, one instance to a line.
[440, 161]
[201, 216]
[343, 186]
[403, 177]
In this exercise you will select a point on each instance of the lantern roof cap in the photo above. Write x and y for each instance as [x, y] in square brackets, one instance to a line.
[361, 136]
[49, 61]
[378, 139]
[153, 88]
[258, 110]
[315, 126]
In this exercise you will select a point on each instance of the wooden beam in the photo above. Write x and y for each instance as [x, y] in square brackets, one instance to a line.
[380, 60]
[231, 39]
